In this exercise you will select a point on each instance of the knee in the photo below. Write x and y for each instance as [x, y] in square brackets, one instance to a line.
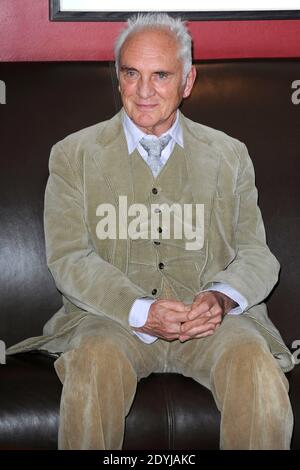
[250, 388]
[249, 365]
[244, 353]
[92, 354]
[105, 351]
[95, 345]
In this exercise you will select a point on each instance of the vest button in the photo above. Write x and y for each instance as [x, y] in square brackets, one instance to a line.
[154, 190]
[156, 242]
[154, 291]
[161, 265]
[159, 229]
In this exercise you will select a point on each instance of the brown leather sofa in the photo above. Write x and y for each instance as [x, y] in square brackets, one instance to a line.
[251, 100]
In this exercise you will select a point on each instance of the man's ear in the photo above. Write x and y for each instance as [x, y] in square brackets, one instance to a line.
[190, 82]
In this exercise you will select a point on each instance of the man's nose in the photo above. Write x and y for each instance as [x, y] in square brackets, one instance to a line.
[145, 88]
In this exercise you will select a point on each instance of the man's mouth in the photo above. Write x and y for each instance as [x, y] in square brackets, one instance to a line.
[146, 107]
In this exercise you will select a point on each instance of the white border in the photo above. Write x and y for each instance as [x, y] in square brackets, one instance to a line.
[176, 5]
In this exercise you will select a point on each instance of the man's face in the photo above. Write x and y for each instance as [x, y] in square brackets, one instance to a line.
[151, 82]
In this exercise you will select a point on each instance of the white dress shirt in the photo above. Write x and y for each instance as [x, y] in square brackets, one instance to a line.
[139, 311]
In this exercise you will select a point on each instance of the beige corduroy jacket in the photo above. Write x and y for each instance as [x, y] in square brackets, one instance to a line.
[91, 166]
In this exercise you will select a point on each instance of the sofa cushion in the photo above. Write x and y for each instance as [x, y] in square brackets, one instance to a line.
[29, 402]
[169, 412]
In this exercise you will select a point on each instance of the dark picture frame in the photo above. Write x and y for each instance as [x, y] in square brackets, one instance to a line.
[57, 15]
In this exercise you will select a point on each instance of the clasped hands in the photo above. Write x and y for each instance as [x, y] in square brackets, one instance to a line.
[172, 319]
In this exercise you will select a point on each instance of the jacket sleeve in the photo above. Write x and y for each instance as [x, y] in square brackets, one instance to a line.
[254, 270]
[80, 274]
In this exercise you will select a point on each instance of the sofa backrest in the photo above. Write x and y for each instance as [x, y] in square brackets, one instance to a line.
[251, 100]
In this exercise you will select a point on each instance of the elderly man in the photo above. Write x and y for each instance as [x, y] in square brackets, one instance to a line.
[140, 298]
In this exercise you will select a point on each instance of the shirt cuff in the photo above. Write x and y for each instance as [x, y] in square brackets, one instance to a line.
[232, 294]
[138, 316]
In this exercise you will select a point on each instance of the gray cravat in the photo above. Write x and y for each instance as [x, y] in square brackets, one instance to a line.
[154, 147]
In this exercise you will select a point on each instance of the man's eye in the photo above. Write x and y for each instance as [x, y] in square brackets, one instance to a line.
[130, 73]
[162, 75]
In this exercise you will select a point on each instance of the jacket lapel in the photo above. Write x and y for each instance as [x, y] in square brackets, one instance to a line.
[114, 162]
[203, 164]
[113, 158]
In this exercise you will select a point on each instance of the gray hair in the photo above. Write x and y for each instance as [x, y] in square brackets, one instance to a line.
[160, 21]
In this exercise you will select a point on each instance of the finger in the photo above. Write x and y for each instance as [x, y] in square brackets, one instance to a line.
[206, 309]
[217, 310]
[197, 313]
[168, 333]
[175, 305]
[203, 335]
[202, 321]
[184, 338]
[161, 314]
[198, 310]
[199, 329]
[199, 321]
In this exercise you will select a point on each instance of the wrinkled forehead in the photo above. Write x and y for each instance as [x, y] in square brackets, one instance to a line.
[153, 41]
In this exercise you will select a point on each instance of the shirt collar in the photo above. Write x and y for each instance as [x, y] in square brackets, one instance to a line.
[133, 134]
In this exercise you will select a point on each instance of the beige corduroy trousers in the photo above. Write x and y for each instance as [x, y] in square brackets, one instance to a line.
[100, 372]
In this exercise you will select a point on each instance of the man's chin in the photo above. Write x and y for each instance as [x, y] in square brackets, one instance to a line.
[145, 122]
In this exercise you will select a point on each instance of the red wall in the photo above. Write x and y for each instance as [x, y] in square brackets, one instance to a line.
[27, 34]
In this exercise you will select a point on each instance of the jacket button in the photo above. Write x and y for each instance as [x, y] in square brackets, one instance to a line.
[154, 190]
[154, 291]
[161, 265]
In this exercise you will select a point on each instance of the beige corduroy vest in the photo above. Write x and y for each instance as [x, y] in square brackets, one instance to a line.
[162, 266]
